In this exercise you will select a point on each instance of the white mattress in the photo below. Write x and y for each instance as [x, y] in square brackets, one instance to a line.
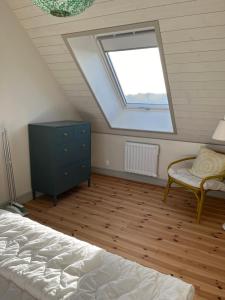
[37, 262]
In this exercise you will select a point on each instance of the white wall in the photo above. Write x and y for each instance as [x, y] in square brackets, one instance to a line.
[111, 147]
[28, 93]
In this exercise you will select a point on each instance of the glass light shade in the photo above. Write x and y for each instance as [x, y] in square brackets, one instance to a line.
[63, 8]
[219, 133]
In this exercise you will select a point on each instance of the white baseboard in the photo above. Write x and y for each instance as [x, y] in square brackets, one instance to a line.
[129, 176]
[25, 198]
[145, 179]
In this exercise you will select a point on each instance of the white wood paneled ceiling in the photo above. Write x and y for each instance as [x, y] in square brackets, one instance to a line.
[193, 35]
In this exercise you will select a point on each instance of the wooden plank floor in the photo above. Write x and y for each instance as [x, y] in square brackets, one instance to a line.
[130, 219]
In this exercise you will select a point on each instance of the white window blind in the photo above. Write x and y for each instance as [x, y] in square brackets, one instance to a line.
[131, 40]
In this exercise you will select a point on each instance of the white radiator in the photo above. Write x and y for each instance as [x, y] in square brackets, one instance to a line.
[141, 158]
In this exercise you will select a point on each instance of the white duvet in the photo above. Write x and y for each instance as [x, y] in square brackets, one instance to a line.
[37, 262]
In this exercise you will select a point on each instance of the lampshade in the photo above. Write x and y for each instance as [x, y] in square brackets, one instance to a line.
[63, 8]
[219, 133]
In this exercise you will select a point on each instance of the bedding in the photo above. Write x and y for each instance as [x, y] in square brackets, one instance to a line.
[37, 262]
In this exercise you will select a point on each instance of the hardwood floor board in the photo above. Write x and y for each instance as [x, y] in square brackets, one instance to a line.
[150, 203]
[174, 198]
[142, 216]
[206, 244]
[111, 203]
[145, 188]
[129, 219]
[154, 232]
[175, 237]
[190, 206]
[132, 209]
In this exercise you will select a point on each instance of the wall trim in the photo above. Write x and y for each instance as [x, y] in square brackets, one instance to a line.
[21, 199]
[25, 198]
[128, 134]
[144, 179]
[120, 174]
[129, 176]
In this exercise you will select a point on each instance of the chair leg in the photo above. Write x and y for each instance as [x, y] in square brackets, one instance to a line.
[169, 183]
[200, 206]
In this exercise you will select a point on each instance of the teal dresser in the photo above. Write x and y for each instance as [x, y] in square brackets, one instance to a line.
[60, 156]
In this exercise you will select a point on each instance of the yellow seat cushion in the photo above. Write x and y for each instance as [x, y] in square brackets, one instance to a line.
[208, 163]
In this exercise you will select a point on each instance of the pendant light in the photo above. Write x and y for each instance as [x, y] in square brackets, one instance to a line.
[63, 8]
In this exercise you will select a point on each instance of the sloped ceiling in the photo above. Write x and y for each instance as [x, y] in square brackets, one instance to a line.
[193, 35]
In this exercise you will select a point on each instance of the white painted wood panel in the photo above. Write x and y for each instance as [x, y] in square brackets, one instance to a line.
[198, 94]
[199, 108]
[71, 80]
[63, 66]
[48, 41]
[198, 76]
[109, 8]
[198, 56]
[194, 21]
[55, 58]
[19, 3]
[198, 85]
[65, 73]
[202, 12]
[193, 35]
[217, 66]
[56, 49]
[193, 46]
[28, 12]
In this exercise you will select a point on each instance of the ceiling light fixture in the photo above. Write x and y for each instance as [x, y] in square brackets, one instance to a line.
[63, 8]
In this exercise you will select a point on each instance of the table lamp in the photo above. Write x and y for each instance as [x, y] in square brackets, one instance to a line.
[219, 135]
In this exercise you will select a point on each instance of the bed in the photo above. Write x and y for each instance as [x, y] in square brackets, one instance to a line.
[37, 262]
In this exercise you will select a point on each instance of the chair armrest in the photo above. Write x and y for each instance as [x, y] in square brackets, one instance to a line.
[221, 176]
[180, 160]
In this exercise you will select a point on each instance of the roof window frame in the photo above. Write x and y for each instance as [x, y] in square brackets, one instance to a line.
[113, 75]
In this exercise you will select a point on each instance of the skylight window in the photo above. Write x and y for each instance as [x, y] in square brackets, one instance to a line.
[136, 69]
[125, 70]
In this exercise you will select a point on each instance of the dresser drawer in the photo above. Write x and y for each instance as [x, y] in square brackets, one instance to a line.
[72, 133]
[82, 130]
[72, 152]
[72, 175]
[64, 134]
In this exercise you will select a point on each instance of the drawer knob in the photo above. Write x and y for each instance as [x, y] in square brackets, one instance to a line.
[83, 166]
[65, 134]
[66, 173]
[65, 150]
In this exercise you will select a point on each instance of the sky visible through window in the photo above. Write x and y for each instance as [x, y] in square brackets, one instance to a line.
[140, 75]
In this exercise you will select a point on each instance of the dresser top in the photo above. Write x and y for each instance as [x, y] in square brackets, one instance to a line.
[59, 123]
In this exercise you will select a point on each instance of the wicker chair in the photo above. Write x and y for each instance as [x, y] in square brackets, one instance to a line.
[178, 172]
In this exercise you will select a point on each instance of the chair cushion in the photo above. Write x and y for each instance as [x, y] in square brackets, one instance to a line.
[208, 163]
[184, 175]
